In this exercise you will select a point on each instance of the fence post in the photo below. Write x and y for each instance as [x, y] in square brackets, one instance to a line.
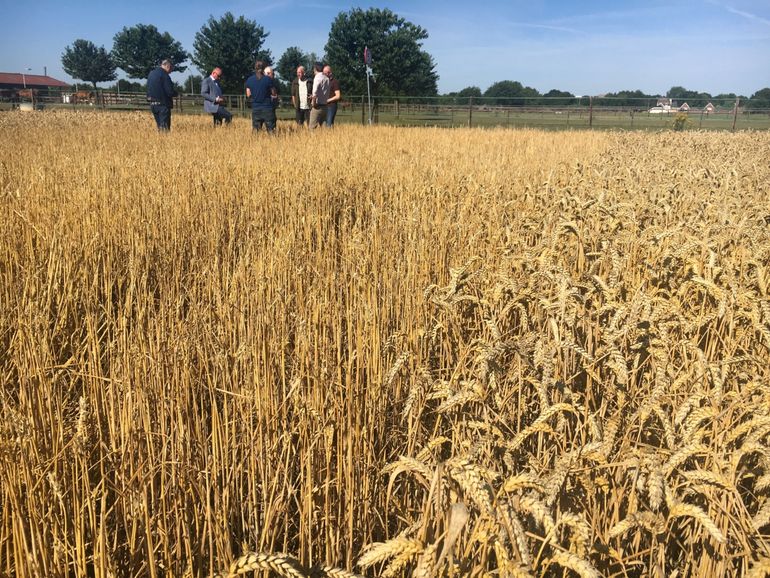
[590, 112]
[470, 111]
[735, 112]
[398, 110]
[700, 122]
[363, 111]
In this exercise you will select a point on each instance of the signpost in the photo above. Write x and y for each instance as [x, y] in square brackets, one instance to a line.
[369, 74]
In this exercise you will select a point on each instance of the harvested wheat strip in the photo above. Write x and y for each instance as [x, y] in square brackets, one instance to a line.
[281, 564]
[579, 565]
[380, 551]
[682, 509]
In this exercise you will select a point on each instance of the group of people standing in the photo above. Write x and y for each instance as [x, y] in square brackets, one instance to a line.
[315, 100]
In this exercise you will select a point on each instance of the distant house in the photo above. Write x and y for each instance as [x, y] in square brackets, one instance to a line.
[14, 84]
[709, 108]
[684, 108]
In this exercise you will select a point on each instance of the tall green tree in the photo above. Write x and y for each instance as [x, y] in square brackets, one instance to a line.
[510, 93]
[85, 61]
[469, 91]
[555, 97]
[139, 49]
[759, 100]
[680, 95]
[292, 58]
[400, 65]
[233, 45]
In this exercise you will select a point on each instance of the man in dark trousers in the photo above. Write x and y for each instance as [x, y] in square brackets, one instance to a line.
[212, 98]
[160, 94]
[335, 95]
[301, 90]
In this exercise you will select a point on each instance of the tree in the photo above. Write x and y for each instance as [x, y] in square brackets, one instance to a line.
[192, 84]
[680, 95]
[759, 100]
[469, 91]
[139, 49]
[83, 60]
[234, 46]
[510, 93]
[400, 65]
[124, 85]
[725, 100]
[629, 98]
[556, 97]
[289, 61]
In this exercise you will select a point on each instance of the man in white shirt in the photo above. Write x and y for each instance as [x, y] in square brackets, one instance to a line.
[301, 89]
[320, 96]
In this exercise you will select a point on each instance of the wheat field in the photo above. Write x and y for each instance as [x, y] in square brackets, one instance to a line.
[380, 351]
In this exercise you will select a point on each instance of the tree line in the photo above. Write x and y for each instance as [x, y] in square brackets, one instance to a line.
[513, 93]
[400, 65]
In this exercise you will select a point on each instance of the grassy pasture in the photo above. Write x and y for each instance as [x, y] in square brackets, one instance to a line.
[388, 351]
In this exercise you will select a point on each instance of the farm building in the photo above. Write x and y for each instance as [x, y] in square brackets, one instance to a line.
[709, 108]
[14, 84]
[684, 108]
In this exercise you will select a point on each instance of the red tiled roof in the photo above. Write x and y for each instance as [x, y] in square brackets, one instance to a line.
[30, 80]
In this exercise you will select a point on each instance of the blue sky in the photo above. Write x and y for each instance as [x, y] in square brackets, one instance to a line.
[588, 47]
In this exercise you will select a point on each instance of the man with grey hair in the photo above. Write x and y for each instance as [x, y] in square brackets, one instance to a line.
[319, 97]
[160, 94]
[335, 95]
[301, 90]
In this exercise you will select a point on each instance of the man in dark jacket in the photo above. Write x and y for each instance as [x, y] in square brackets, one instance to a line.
[160, 94]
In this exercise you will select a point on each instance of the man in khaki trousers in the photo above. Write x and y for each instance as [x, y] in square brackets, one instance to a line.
[320, 96]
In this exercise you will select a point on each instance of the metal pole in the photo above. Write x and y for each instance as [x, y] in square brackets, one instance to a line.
[735, 112]
[590, 111]
[363, 110]
[369, 93]
[470, 111]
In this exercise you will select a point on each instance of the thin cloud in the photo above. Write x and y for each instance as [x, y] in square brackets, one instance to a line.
[748, 15]
[547, 27]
